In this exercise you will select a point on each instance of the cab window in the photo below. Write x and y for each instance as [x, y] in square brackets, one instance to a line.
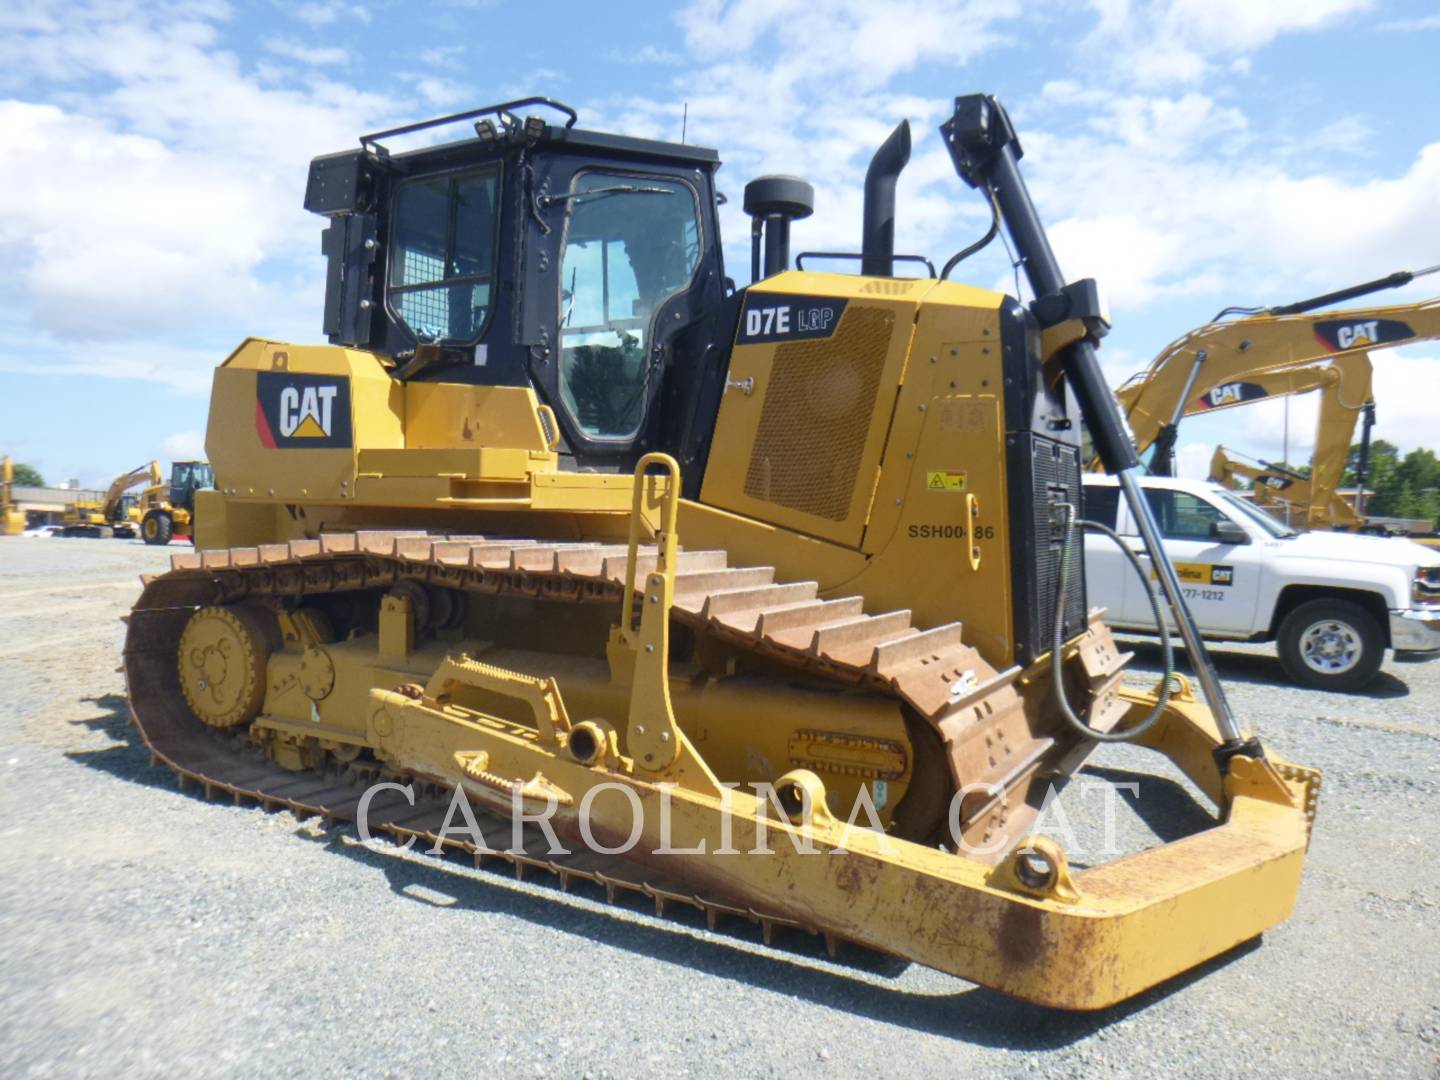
[1183, 516]
[1101, 504]
[443, 255]
[630, 243]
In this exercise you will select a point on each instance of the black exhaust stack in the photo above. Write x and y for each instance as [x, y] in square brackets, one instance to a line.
[878, 238]
[772, 203]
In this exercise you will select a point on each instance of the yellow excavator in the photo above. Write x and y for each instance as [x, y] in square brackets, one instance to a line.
[1273, 352]
[1310, 502]
[12, 521]
[764, 602]
[113, 514]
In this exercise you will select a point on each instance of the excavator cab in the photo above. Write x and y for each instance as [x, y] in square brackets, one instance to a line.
[446, 257]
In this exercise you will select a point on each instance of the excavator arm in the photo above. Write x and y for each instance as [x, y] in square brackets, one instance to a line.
[1344, 383]
[126, 481]
[1215, 365]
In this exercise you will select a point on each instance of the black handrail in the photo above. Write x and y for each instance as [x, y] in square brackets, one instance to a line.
[800, 259]
[373, 139]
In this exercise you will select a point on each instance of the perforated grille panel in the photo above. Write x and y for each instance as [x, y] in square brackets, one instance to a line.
[1054, 470]
[817, 415]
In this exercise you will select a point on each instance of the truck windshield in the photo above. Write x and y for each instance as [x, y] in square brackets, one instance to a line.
[1255, 514]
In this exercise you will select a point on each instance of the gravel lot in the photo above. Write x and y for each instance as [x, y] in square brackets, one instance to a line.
[148, 932]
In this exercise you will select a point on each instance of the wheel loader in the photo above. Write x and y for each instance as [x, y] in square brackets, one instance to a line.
[763, 603]
[169, 508]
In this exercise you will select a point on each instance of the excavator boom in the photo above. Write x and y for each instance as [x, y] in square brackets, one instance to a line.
[1211, 366]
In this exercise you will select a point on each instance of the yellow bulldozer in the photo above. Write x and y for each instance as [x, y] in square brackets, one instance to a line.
[762, 602]
[12, 521]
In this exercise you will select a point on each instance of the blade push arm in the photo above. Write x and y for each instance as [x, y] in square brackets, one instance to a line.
[986, 154]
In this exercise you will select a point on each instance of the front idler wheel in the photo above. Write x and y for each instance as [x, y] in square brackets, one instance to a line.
[222, 657]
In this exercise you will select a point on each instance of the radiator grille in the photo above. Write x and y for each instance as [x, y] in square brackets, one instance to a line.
[817, 415]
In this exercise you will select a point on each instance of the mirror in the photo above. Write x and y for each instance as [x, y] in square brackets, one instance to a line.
[1228, 532]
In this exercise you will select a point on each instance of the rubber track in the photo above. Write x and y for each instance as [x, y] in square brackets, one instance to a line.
[943, 679]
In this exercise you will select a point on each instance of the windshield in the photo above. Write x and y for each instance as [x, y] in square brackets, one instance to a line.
[1264, 520]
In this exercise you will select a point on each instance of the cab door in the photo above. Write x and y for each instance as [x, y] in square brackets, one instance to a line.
[1220, 577]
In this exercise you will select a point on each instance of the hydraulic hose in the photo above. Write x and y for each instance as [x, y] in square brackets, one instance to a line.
[1073, 525]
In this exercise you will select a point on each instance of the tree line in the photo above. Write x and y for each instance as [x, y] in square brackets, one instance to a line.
[27, 475]
[1404, 487]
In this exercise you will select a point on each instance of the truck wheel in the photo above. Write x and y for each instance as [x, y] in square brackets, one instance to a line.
[157, 527]
[1331, 645]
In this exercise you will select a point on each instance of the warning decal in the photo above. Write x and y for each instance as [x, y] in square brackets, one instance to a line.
[951, 480]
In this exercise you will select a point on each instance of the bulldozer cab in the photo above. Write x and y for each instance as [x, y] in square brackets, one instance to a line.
[584, 264]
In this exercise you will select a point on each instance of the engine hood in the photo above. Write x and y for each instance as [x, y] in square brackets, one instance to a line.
[1359, 548]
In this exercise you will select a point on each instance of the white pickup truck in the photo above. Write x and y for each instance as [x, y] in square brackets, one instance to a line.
[1332, 602]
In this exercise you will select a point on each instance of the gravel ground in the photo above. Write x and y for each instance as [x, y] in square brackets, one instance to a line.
[148, 932]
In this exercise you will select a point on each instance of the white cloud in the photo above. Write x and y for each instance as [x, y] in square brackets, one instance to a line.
[437, 91]
[443, 56]
[329, 12]
[1176, 41]
[307, 54]
[90, 272]
[1404, 384]
[162, 205]
[646, 54]
[1424, 22]
[1161, 197]
[803, 88]
[184, 446]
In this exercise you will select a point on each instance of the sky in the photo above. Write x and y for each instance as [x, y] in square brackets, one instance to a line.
[1189, 154]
